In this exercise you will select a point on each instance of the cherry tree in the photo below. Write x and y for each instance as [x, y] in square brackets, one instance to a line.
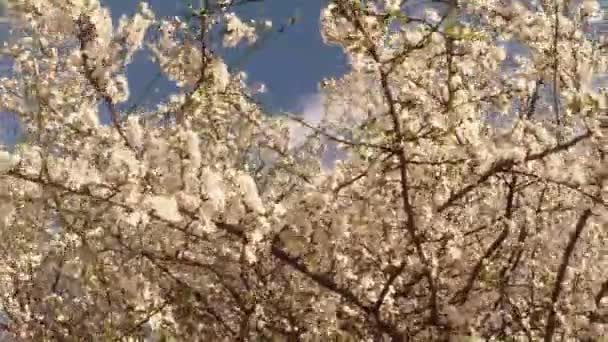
[470, 202]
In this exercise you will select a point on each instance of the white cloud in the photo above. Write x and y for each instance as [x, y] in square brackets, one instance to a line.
[312, 109]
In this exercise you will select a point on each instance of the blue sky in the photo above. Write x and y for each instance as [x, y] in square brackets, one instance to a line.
[290, 64]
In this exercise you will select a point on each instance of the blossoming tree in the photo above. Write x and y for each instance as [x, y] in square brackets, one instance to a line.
[470, 201]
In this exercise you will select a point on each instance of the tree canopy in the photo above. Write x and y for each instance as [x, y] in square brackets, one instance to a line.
[469, 201]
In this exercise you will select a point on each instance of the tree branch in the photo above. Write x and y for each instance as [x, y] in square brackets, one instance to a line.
[561, 274]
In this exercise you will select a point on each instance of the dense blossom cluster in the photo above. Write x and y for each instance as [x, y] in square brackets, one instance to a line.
[470, 202]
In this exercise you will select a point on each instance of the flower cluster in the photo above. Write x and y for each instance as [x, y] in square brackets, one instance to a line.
[470, 201]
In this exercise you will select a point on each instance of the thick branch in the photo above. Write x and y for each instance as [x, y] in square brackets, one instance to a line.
[508, 164]
[328, 283]
[561, 274]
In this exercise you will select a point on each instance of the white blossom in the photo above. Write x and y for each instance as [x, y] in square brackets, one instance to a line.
[452, 203]
[236, 30]
[250, 192]
[220, 73]
[214, 188]
[7, 161]
[392, 5]
[165, 207]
